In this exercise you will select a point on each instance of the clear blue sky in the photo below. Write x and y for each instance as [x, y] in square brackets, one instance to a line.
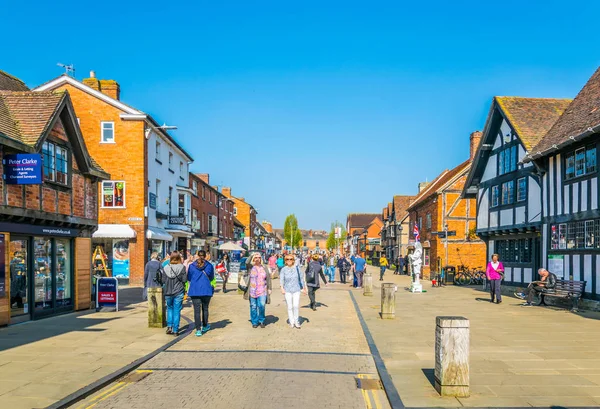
[317, 108]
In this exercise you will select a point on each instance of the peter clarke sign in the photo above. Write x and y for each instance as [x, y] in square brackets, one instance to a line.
[23, 169]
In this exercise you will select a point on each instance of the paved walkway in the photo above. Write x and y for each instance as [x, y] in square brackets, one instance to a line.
[520, 356]
[315, 367]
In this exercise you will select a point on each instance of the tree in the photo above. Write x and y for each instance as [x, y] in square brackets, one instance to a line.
[291, 227]
[332, 242]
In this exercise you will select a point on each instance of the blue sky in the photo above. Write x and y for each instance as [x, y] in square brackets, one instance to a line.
[319, 108]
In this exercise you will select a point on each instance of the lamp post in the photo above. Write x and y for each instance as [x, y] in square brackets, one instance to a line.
[400, 240]
[365, 235]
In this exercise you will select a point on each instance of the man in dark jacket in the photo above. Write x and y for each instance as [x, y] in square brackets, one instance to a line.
[313, 271]
[545, 285]
[343, 265]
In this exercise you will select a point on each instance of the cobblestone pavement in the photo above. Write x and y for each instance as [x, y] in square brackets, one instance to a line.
[236, 366]
[520, 357]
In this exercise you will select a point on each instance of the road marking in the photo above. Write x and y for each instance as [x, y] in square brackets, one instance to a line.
[370, 396]
[112, 391]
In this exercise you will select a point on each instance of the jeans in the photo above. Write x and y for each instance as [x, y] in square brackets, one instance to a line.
[532, 290]
[311, 296]
[343, 277]
[331, 273]
[257, 309]
[174, 306]
[359, 278]
[201, 304]
[495, 290]
[293, 304]
[381, 272]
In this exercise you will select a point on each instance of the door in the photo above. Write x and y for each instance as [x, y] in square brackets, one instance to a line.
[43, 279]
[20, 308]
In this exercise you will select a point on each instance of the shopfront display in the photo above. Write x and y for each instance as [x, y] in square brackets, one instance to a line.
[120, 257]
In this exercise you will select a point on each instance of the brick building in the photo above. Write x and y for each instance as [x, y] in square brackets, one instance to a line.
[356, 225]
[246, 214]
[46, 221]
[212, 214]
[147, 204]
[440, 204]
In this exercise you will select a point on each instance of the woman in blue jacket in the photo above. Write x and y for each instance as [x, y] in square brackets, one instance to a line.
[200, 274]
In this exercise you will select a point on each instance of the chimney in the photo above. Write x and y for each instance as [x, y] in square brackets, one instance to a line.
[422, 185]
[204, 177]
[226, 191]
[111, 88]
[92, 82]
[475, 139]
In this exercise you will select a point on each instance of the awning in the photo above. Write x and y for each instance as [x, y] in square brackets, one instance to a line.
[180, 233]
[155, 233]
[114, 231]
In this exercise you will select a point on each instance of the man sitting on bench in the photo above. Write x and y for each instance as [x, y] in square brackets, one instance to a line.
[546, 284]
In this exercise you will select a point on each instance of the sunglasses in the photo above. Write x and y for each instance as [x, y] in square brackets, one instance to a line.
[289, 259]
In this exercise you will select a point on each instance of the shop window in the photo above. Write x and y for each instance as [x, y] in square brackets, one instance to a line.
[56, 163]
[19, 288]
[589, 234]
[108, 132]
[580, 162]
[113, 194]
[521, 189]
[63, 273]
[42, 265]
[495, 195]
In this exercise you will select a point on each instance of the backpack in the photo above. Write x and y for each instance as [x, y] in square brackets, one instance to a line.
[158, 276]
[311, 274]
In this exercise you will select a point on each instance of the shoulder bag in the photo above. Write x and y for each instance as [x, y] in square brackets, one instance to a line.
[299, 278]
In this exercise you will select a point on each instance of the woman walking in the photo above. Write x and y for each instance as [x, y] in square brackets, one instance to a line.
[292, 283]
[258, 290]
[200, 275]
[313, 271]
[223, 270]
[280, 262]
[152, 267]
[495, 273]
[383, 263]
[174, 278]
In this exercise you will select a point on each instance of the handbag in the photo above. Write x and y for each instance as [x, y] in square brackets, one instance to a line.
[299, 278]
[213, 282]
[243, 284]
[221, 268]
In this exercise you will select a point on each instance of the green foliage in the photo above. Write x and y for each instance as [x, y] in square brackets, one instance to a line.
[332, 242]
[291, 227]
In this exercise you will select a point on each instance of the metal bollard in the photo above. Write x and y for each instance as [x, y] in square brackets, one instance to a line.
[388, 301]
[452, 356]
[157, 308]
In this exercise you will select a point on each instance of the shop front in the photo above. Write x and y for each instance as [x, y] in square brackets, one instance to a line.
[39, 268]
[111, 243]
[159, 241]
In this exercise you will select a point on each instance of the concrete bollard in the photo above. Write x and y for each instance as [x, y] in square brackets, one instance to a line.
[367, 283]
[157, 308]
[452, 356]
[388, 301]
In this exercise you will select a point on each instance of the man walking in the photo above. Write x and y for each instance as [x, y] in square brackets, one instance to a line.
[344, 266]
[359, 270]
[313, 271]
[331, 268]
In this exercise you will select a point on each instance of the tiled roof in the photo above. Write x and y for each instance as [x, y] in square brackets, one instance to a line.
[26, 115]
[439, 182]
[385, 212]
[361, 219]
[401, 203]
[532, 117]
[10, 83]
[582, 113]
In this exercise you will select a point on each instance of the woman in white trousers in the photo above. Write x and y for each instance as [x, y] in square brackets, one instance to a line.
[292, 283]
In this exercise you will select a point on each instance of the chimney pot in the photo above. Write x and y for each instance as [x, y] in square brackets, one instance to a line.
[92, 74]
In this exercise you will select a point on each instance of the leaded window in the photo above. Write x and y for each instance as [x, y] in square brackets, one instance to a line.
[521, 189]
[508, 193]
[580, 162]
[495, 195]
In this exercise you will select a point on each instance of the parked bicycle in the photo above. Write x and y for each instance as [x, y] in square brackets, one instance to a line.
[467, 276]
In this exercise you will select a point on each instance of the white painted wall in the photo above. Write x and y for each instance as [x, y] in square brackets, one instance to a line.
[520, 215]
[506, 217]
[482, 210]
[534, 200]
[491, 168]
[494, 219]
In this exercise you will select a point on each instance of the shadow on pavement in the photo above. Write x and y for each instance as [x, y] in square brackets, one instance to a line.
[128, 296]
[271, 319]
[430, 375]
[220, 324]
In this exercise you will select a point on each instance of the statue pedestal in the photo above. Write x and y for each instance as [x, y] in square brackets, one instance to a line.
[367, 283]
[416, 288]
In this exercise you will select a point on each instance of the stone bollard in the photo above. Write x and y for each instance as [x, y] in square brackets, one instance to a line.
[367, 283]
[388, 301]
[452, 356]
[157, 308]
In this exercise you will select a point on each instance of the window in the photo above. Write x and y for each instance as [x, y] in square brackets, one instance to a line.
[170, 160]
[571, 231]
[521, 189]
[507, 160]
[562, 236]
[156, 192]
[56, 162]
[181, 169]
[420, 223]
[108, 132]
[426, 257]
[581, 162]
[203, 192]
[195, 188]
[113, 193]
[508, 192]
[157, 157]
[317, 244]
[181, 205]
[428, 221]
[234, 211]
[515, 250]
[194, 214]
[576, 235]
[589, 234]
[495, 195]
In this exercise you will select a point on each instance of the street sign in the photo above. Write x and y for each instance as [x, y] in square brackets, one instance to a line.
[107, 293]
[441, 234]
[452, 233]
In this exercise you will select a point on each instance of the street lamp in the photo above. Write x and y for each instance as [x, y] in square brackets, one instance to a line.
[400, 241]
[365, 234]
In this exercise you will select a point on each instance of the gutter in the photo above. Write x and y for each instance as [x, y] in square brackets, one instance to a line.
[569, 141]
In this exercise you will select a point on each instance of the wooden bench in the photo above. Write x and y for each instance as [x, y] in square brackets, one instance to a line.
[568, 289]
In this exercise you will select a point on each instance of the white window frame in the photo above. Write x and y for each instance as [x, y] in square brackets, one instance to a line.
[180, 168]
[235, 210]
[102, 123]
[195, 187]
[157, 151]
[102, 194]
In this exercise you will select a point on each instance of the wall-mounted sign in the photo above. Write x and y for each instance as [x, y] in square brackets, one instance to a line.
[176, 219]
[41, 230]
[152, 201]
[23, 169]
[107, 293]
[556, 265]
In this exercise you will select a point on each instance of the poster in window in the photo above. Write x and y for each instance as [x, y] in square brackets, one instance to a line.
[121, 258]
[556, 265]
[107, 194]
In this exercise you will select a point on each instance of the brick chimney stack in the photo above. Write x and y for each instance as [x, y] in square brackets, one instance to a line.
[204, 177]
[107, 87]
[422, 185]
[475, 139]
[226, 191]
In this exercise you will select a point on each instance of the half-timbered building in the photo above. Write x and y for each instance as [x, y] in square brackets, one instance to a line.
[567, 158]
[508, 192]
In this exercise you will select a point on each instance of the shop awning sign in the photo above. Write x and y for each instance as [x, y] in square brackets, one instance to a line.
[107, 293]
[23, 169]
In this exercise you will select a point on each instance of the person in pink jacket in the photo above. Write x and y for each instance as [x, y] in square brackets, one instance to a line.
[495, 273]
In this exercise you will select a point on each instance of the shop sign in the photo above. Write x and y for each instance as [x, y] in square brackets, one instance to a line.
[2, 266]
[107, 293]
[120, 258]
[39, 230]
[176, 219]
[23, 169]
[152, 201]
[556, 264]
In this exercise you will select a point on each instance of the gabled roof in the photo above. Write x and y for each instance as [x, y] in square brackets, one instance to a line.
[439, 183]
[10, 83]
[580, 119]
[361, 219]
[401, 204]
[531, 118]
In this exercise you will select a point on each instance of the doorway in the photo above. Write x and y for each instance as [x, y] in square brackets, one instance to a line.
[19, 280]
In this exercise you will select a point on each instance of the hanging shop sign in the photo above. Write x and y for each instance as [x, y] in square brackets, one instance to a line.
[2, 266]
[176, 219]
[23, 169]
[121, 258]
[152, 201]
[107, 293]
